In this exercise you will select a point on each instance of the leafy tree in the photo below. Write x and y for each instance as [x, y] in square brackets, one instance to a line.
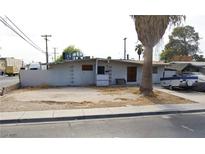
[168, 54]
[183, 41]
[59, 59]
[70, 49]
[139, 49]
[150, 29]
[199, 57]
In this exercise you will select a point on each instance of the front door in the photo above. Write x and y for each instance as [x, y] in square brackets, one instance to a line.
[131, 74]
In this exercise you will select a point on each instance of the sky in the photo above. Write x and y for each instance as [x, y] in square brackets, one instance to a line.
[96, 27]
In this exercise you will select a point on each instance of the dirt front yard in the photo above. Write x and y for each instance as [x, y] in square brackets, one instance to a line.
[81, 97]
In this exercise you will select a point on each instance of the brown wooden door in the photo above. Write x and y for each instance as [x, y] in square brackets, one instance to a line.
[131, 74]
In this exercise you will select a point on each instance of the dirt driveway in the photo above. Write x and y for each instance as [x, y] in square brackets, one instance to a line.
[81, 97]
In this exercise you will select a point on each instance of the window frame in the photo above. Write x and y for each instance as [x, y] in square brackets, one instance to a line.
[155, 70]
[99, 69]
[87, 67]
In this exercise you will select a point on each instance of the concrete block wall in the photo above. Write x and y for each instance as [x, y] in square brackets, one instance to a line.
[71, 74]
[58, 75]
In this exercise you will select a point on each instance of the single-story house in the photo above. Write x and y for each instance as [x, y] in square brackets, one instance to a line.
[93, 71]
[178, 67]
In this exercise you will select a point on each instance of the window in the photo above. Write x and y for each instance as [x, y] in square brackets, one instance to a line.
[87, 67]
[154, 70]
[101, 70]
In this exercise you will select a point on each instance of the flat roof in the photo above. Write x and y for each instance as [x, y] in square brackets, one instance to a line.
[193, 63]
[180, 65]
[112, 60]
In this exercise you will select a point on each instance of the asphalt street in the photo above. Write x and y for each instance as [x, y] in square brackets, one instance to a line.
[161, 126]
[6, 81]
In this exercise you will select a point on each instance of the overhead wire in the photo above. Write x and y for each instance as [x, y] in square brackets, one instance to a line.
[23, 33]
[11, 28]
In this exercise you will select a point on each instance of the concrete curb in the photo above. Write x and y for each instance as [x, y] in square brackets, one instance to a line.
[71, 118]
[5, 90]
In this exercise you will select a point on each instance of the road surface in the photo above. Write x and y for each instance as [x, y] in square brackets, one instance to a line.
[6, 81]
[169, 126]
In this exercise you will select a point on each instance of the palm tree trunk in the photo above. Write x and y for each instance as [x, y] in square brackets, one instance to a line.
[139, 57]
[146, 85]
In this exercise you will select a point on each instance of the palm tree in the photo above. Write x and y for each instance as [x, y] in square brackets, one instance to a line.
[150, 29]
[139, 49]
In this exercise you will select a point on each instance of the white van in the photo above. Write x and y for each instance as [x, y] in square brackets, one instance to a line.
[35, 66]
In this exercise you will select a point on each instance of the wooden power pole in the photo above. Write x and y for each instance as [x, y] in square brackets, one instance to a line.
[46, 38]
[55, 53]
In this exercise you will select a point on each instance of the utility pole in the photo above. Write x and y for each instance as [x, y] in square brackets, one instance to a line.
[46, 38]
[125, 47]
[55, 53]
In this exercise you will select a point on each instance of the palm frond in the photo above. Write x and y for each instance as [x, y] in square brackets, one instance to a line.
[151, 28]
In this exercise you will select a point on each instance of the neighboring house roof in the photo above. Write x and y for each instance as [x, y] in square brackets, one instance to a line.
[140, 62]
[155, 63]
[179, 66]
[193, 63]
[3, 58]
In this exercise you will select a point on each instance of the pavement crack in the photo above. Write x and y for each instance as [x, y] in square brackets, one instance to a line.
[187, 128]
[22, 115]
[71, 129]
[53, 113]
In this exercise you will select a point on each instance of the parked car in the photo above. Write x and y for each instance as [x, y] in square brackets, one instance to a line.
[182, 81]
[200, 84]
[201, 77]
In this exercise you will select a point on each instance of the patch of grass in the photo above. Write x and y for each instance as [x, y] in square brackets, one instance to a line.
[163, 98]
[42, 86]
[122, 99]
[118, 90]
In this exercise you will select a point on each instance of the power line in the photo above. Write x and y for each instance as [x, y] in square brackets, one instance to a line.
[11, 28]
[7, 25]
[23, 33]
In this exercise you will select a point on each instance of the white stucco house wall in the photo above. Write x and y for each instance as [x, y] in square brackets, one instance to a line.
[85, 72]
